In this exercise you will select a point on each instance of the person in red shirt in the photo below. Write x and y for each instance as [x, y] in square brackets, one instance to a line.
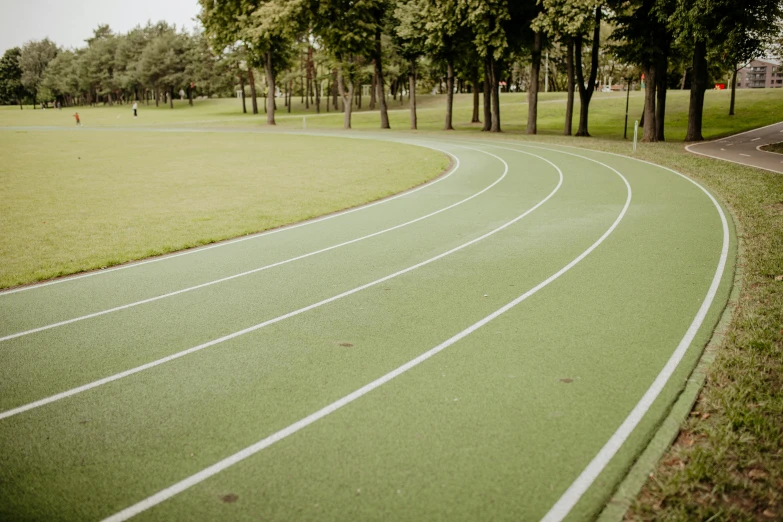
[78, 121]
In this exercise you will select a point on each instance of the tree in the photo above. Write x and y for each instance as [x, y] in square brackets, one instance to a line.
[11, 88]
[33, 60]
[706, 24]
[347, 28]
[643, 37]
[754, 28]
[409, 37]
[488, 21]
[272, 29]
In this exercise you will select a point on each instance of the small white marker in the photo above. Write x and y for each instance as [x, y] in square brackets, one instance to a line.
[722, 149]
[755, 139]
[746, 155]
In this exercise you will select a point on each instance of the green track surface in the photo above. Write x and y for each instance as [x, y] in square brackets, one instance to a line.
[495, 427]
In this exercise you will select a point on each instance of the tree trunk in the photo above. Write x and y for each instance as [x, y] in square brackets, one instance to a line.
[449, 94]
[412, 94]
[270, 79]
[474, 87]
[290, 88]
[495, 90]
[532, 92]
[487, 95]
[242, 88]
[373, 91]
[733, 87]
[347, 97]
[309, 76]
[334, 89]
[252, 81]
[698, 87]
[379, 74]
[317, 92]
[586, 92]
[570, 86]
[157, 96]
[171, 97]
[649, 116]
[661, 80]
[190, 95]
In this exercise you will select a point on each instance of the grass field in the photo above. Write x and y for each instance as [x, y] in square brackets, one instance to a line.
[512, 411]
[755, 108]
[91, 200]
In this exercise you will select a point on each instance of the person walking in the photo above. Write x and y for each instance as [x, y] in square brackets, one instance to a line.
[78, 121]
[135, 108]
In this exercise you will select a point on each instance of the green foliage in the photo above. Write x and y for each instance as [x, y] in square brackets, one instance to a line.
[33, 60]
[11, 88]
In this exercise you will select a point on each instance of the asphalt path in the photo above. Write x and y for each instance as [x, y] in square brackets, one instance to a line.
[499, 345]
[744, 148]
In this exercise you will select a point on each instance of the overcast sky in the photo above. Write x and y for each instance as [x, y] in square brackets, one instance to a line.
[69, 22]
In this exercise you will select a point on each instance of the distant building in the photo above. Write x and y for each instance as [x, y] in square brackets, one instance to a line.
[760, 74]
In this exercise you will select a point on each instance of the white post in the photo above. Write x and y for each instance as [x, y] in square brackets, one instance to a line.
[546, 73]
[635, 133]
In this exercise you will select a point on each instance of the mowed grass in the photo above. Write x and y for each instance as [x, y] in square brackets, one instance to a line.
[754, 108]
[74, 201]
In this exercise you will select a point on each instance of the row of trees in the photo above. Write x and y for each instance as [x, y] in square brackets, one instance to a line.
[328, 49]
[147, 63]
[481, 41]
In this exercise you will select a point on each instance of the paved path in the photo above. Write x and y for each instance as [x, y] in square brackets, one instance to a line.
[743, 148]
[498, 345]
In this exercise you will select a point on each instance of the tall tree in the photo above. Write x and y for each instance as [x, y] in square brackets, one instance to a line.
[707, 24]
[586, 90]
[33, 60]
[273, 28]
[409, 37]
[347, 28]
[567, 21]
[444, 28]
[11, 87]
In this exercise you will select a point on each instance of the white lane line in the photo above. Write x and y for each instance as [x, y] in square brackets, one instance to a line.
[583, 482]
[126, 373]
[195, 250]
[255, 270]
[755, 139]
[216, 468]
[746, 155]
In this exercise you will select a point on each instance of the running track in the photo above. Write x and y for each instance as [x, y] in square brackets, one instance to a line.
[499, 344]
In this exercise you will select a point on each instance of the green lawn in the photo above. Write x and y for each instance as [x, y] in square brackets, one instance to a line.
[755, 108]
[73, 201]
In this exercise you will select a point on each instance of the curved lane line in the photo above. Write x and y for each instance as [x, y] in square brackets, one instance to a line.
[257, 235]
[568, 500]
[158, 362]
[216, 468]
[255, 270]
[583, 482]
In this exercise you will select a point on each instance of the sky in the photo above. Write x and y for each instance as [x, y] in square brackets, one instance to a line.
[69, 22]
